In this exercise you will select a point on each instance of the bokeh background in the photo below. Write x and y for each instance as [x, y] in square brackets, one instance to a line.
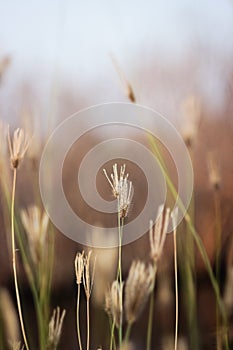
[58, 57]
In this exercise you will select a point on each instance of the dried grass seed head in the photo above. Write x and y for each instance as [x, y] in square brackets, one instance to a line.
[35, 222]
[79, 266]
[18, 146]
[114, 302]
[157, 233]
[191, 108]
[88, 274]
[138, 287]
[121, 188]
[55, 328]
[126, 85]
[213, 169]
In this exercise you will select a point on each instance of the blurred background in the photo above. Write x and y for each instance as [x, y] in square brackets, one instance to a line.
[58, 57]
[60, 53]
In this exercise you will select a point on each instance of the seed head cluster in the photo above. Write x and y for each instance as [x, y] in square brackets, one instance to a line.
[114, 302]
[138, 287]
[35, 222]
[158, 233]
[55, 328]
[121, 188]
[18, 146]
[84, 272]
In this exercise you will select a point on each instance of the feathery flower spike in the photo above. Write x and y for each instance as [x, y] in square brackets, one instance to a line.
[18, 146]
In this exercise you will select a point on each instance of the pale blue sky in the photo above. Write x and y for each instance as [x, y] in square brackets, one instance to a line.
[69, 41]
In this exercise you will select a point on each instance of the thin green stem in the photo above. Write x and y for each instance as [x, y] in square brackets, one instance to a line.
[77, 318]
[150, 321]
[127, 333]
[14, 259]
[120, 225]
[151, 312]
[176, 290]
[112, 335]
[120, 336]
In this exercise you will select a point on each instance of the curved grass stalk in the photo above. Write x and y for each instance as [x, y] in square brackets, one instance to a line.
[14, 260]
[30, 276]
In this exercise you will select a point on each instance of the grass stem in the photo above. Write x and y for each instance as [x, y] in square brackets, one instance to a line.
[77, 318]
[14, 259]
[150, 321]
[88, 323]
[176, 289]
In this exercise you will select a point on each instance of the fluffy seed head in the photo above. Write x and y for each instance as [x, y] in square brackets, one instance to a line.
[35, 222]
[121, 188]
[88, 274]
[79, 267]
[191, 108]
[214, 173]
[157, 233]
[114, 302]
[138, 287]
[55, 328]
[18, 146]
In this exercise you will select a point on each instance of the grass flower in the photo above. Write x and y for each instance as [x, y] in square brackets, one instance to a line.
[35, 223]
[157, 234]
[191, 109]
[88, 275]
[114, 303]
[79, 268]
[121, 189]
[214, 173]
[18, 146]
[55, 328]
[128, 89]
[138, 287]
